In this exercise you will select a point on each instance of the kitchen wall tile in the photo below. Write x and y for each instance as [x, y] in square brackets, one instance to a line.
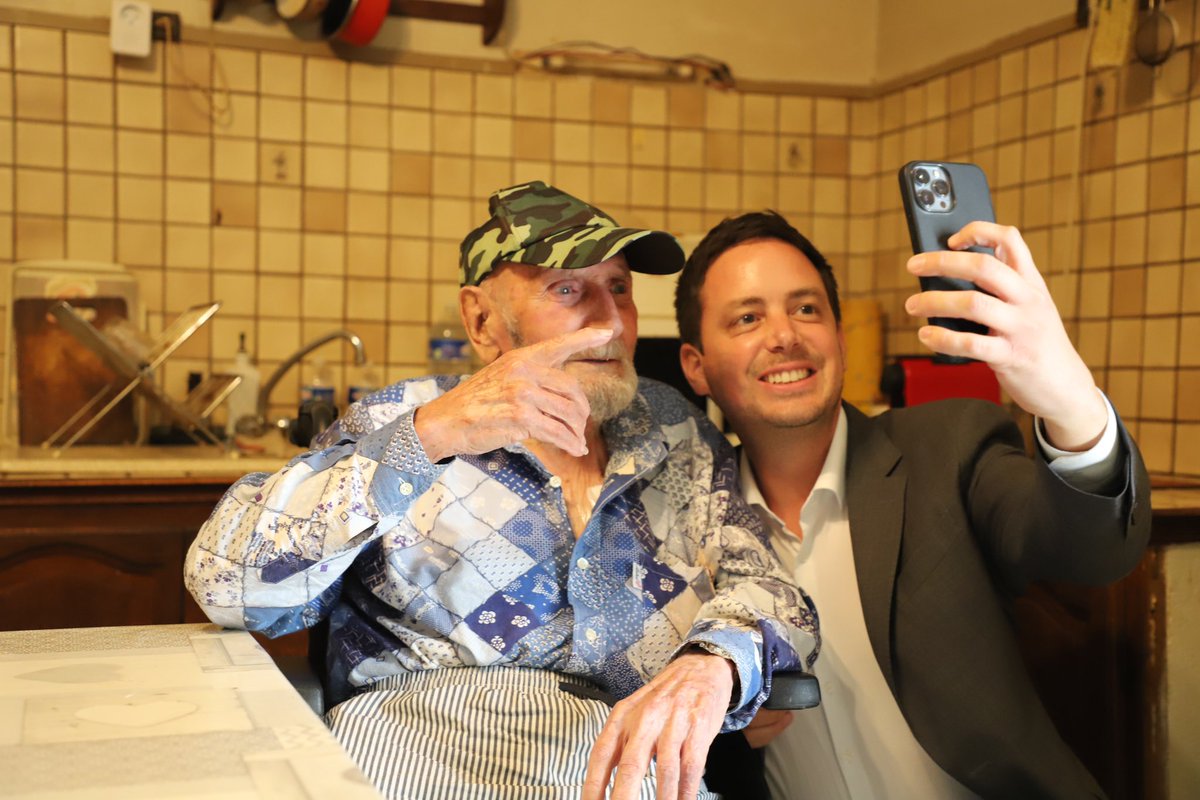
[493, 94]
[140, 199]
[188, 247]
[758, 191]
[411, 173]
[722, 190]
[490, 174]
[1041, 64]
[493, 137]
[40, 191]
[324, 122]
[368, 170]
[1187, 450]
[199, 202]
[239, 117]
[648, 105]
[186, 289]
[1129, 240]
[234, 248]
[90, 195]
[611, 101]
[796, 195]
[89, 101]
[40, 97]
[149, 70]
[139, 106]
[1189, 301]
[409, 216]
[832, 115]
[325, 167]
[722, 110]
[1166, 183]
[760, 152]
[831, 155]
[88, 55]
[323, 298]
[369, 83]
[1068, 103]
[760, 113]
[40, 144]
[238, 68]
[1131, 188]
[1168, 126]
[722, 150]
[139, 153]
[366, 256]
[685, 148]
[278, 251]
[1164, 237]
[279, 207]
[39, 237]
[572, 97]
[235, 160]
[183, 114]
[1012, 73]
[38, 49]
[1187, 396]
[1133, 137]
[795, 114]
[369, 126]
[452, 133]
[452, 176]
[188, 156]
[1160, 342]
[1189, 341]
[324, 210]
[572, 141]
[191, 65]
[232, 205]
[281, 74]
[366, 300]
[452, 90]
[575, 179]
[647, 146]
[280, 119]
[533, 95]
[685, 189]
[325, 78]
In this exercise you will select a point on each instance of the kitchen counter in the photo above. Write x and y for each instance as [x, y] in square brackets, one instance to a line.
[160, 711]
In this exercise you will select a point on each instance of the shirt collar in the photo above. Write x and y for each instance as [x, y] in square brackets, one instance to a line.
[831, 481]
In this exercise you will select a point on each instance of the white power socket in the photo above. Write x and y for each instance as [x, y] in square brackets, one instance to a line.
[130, 28]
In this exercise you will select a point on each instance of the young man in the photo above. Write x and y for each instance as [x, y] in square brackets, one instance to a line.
[489, 550]
[913, 529]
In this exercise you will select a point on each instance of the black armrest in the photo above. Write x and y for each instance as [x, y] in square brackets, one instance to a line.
[791, 691]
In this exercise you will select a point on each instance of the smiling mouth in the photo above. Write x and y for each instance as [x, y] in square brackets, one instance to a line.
[788, 376]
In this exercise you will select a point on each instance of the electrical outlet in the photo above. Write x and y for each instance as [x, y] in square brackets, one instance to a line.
[172, 23]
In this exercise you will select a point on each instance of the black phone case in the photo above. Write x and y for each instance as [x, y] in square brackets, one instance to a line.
[929, 230]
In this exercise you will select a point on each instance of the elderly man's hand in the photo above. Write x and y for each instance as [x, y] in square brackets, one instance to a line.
[523, 394]
[1027, 347]
[766, 725]
[674, 719]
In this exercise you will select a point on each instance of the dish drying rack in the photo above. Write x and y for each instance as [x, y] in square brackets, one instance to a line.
[133, 358]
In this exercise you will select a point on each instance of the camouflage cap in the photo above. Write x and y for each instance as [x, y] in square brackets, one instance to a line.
[540, 225]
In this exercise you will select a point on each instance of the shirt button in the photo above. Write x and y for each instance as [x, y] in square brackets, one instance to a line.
[406, 488]
[583, 563]
[555, 481]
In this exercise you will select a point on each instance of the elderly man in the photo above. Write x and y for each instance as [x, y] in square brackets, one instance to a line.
[914, 529]
[552, 528]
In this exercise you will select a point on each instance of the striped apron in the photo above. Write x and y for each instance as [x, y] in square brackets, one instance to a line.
[497, 733]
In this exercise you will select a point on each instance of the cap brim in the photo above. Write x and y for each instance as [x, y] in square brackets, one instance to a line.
[651, 252]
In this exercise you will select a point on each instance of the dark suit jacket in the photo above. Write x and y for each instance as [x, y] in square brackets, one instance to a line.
[949, 520]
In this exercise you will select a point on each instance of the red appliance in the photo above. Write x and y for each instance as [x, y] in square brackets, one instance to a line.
[913, 380]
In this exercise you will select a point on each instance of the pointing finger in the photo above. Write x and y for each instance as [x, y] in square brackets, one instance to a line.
[556, 351]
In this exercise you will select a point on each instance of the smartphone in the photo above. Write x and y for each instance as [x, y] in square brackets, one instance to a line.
[939, 199]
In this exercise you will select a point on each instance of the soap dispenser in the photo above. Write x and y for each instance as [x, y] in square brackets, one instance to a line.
[243, 400]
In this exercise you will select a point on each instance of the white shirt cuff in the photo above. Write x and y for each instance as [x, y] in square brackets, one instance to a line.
[1089, 470]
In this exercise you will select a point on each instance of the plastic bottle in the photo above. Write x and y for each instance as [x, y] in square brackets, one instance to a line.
[449, 349]
[364, 381]
[319, 386]
[243, 401]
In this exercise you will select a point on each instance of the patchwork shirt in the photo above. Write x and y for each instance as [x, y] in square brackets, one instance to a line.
[473, 561]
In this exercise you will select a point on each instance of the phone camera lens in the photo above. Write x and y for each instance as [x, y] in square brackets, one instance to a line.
[925, 198]
[941, 188]
[921, 176]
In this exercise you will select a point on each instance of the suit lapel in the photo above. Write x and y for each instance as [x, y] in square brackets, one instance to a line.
[875, 482]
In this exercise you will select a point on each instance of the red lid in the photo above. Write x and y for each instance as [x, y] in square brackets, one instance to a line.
[364, 21]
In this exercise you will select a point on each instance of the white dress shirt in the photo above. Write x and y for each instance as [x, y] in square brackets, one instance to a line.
[857, 745]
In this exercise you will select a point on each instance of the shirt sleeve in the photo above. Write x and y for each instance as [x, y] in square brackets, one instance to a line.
[272, 555]
[1090, 470]
[757, 619]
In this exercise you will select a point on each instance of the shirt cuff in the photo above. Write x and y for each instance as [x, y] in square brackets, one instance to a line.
[402, 450]
[734, 647]
[1089, 470]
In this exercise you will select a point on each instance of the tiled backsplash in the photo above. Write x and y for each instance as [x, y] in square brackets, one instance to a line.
[318, 193]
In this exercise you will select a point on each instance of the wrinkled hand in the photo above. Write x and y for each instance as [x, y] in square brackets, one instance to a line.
[523, 394]
[766, 725]
[1027, 347]
[673, 718]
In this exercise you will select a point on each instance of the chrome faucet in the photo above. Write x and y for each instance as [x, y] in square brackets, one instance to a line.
[257, 425]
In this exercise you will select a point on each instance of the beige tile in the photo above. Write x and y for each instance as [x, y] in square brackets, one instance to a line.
[240, 117]
[89, 101]
[760, 113]
[190, 247]
[1039, 111]
[366, 212]
[235, 160]
[324, 210]
[1131, 184]
[88, 55]
[759, 191]
[1187, 396]
[237, 294]
[278, 251]
[452, 134]
[574, 179]
[184, 114]
[412, 130]
[409, 259]
[366, 300]
[1166, 183]
[493, 94]
[234, 248]
[1129, 237]
[280, 119]
[532, 139]
[1095, 291]
[1068, 103]
[40, 144]
[722, 110]
[279, 207]
[647, 187]
[140, 244]
[647, 146]
[610, 101]
[91, 195]
[532, 95]
[40, 191]
[38, 49]
[1164, 237]
[324, 167]
[39, 237]
[409, 216]
[139, 153]
[139, 106]
[188, 156]
[452, 90]
[40, 97]
[91, 240]
[324, 254]
[185, 289]
[232, 204]
[913, 102]
[237, 68]
[1100, 145]
[610, 185]
[366, 256]
[1133, 137]
[1128, 288]
[369, 170]
[325, 123]
[412, 87]
[648, 105]
[685, 106]
[796, 194]
[831, 155]
[572, 141]
[1125, 343]
[369, 83]
[325, 78]
[276, 292]
[1098, 194]
[1189, 341]
[451, 176]
[573, 97]
[960, 90]
[829, 195]
[489, 175]
[723, 150]
[685, 189]
[1168, 125]
[411, 173]
[1187, 450]
[832, 115]
[1156, 440]
[368, 126]
[685, 148]
[1162, 289]
[91, 149]
[760, 152]
[191, 65]
[493, 137]
[1012, 72]
[140, 199]
[280, 74]
[795, 114]
[1041, 64]
[451, 217]
[1161, 340]
[986, 80]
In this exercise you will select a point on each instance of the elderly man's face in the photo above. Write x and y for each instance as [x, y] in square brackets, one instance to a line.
[534, 304]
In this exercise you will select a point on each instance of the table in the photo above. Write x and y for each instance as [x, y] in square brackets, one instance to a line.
[159, 711]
